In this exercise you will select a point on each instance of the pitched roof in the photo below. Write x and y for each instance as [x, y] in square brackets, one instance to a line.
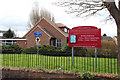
[106, 38]
[61, 25]
[45, 30]
[49, 33]
[30, 30]
[36, 26]
[55, 26]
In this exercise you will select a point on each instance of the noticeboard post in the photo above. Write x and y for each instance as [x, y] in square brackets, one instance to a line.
[37, 34]
[85, 36]
[37, 43]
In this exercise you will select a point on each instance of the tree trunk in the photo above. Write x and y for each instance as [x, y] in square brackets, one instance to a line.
[118, 40]
[115, 13]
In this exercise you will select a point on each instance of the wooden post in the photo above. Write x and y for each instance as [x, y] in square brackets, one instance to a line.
[95, 59]
[72, 56]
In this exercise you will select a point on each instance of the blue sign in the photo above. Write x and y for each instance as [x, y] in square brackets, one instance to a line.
[37, 33]
[73, 38]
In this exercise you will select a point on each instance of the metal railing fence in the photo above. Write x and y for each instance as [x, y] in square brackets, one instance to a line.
[105, 64]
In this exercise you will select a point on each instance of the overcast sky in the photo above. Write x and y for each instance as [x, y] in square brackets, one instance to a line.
[14, 14]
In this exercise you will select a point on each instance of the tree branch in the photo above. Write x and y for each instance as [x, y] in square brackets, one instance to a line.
[81, 7]
[113, 10]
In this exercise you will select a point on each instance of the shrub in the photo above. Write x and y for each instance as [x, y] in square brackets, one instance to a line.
[30, 50]
[108, 49]
[56, 51]
[86, 75]
[78, 51]
[11, 49]
[48, 50]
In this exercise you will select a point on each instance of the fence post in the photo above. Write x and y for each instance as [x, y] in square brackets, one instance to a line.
[95, 59]
[72, 55]
[1, 59]
[118, 63]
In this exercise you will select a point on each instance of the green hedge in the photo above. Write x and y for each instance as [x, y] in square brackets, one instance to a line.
[57, 51]
[64, 51]
[54, 51]
[9, 49]
[78, 51]
[30, 50]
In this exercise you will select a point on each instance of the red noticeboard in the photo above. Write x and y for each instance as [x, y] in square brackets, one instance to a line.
[85, 36]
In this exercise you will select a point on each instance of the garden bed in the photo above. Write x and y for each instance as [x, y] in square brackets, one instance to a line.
[27, 74]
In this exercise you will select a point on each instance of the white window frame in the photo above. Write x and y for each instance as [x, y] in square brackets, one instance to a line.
[51, 43]
[58, 41]
[65, 30]
[6, 41]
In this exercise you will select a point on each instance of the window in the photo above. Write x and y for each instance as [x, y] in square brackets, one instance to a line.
[58, 43]
[67, 40]
[51, 43]
[7, 42]
[65, 30]
[1, 34]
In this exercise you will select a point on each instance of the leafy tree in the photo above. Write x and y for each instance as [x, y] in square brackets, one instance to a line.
[91, 7]
[36, 15]
[8, 34]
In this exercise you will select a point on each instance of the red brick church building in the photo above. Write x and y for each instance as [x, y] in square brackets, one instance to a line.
[45, 32]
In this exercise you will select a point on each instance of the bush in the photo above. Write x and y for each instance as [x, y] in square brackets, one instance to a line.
[44, 50]
[78, 51]
[6, 49]
[30, 50]
[86, 75]
[56, 51]
[48, 50]
[108, 49]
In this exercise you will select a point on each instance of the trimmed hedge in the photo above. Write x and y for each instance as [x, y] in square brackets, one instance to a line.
[63, 51]
[57, 51]
[30, 50]
[78, 51]
[10, 49]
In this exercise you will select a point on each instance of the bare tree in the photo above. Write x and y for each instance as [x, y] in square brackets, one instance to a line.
[36, 14]
[46, 14]
[91, 7]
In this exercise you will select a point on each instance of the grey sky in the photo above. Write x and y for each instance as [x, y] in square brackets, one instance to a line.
[15, 13]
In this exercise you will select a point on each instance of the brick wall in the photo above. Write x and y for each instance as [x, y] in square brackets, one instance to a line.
[51, 31]
[21, 43]
[31, 39]
[57, 34]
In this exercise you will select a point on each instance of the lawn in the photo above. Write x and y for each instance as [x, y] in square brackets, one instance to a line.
[81, 64]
